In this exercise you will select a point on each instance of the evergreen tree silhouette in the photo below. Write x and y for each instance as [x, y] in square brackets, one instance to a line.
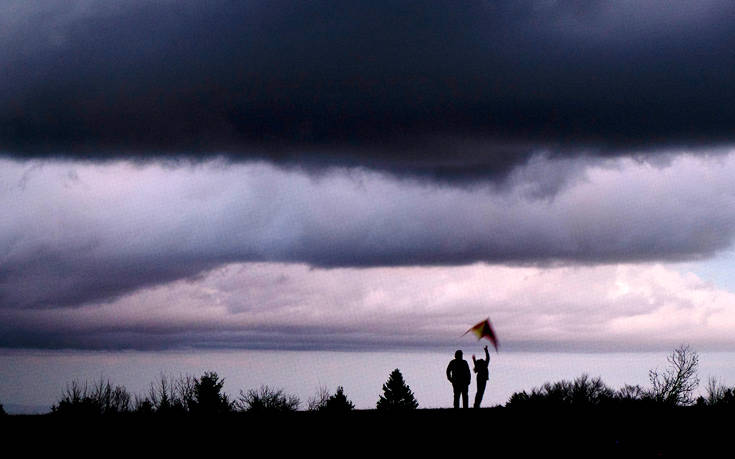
[338, 402]
[208, 395]
[397, 395]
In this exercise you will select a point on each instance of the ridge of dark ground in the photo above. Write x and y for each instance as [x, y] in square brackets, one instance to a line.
[486, 432]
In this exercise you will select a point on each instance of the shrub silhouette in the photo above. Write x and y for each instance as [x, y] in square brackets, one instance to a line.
[397, 395]
[671, 387]
[633, 396]
[267, 400]
[143, 406]
[717, 395]
[170, 396]
[81, 399]
[629, 392]
[167, 396]
[582, 392]
[207, 397]
[319, 400]
[323, 401]
[2, 410]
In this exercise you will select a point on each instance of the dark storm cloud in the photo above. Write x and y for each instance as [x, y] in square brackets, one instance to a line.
[290, 338]
[442, 88]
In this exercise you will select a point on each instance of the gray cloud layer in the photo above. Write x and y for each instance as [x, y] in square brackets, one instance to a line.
[75, 234]
[438, 88]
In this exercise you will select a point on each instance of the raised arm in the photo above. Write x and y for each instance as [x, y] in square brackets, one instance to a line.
[487, 355]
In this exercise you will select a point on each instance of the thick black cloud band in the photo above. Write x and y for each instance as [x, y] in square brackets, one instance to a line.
[440, 88]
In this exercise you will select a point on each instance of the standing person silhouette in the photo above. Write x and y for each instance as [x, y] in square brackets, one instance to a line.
[481, 368]
[458, 373]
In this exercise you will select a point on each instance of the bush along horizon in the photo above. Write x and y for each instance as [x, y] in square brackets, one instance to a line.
[325, 402]
[670, 387]
[267, 400]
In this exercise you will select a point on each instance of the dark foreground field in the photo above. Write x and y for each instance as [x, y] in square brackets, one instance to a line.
[493, 432]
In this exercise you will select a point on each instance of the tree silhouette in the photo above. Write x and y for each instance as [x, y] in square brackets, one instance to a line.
[397, 395]
[338, 402]
[2, 410]
[208, 397]
[171, 396]
[676, 384]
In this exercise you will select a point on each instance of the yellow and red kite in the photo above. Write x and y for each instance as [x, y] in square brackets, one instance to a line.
[484, 330]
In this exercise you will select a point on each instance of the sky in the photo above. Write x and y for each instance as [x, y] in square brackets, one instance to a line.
[366, 176]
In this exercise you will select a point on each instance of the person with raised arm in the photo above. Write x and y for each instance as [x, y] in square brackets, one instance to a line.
[482, 369]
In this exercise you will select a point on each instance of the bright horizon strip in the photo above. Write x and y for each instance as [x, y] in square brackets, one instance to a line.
[39, 377]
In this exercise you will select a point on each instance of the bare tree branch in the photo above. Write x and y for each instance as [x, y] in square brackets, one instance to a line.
[676, 384]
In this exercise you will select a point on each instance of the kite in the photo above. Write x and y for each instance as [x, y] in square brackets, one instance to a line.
[484, 330]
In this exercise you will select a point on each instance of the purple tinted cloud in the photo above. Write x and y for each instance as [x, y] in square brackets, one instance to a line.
[75, 233]
[293, 306]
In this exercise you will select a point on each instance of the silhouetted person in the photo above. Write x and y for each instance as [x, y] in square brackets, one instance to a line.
[481, 368]
[458, 373]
